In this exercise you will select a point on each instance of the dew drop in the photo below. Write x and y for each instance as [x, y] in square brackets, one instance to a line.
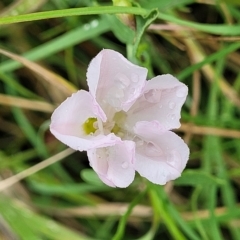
[174, 159]
[94, 23]
[132, 92]
[181, 92]
[116, 92]
[124, 165]
[152, 151]
[114, 97]
[139, 143]
[172, 116]
[153, 96]
[171, 105]
[134, 78]
[122, 81]
[86, 26]
[119, 94]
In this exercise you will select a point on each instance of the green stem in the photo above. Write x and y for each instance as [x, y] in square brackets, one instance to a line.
[123, 221]
[158, 206]
[74, 12]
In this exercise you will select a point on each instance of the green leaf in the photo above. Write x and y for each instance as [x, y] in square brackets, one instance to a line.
[142, 24]
[30, 225]
[194, 178]
[59, 189]
[124, 33]
[89, 176]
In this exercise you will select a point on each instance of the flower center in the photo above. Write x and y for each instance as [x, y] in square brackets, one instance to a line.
[90, 126]
[94, 125]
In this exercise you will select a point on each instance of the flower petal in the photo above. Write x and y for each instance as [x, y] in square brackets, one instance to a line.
[68, 119]
[161, 101]
[114, 165]
[114, 81]
[161, 156]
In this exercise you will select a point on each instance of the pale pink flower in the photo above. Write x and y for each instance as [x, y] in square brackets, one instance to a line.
[123, 122]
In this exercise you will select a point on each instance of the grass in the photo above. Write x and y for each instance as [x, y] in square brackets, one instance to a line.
[49, 192]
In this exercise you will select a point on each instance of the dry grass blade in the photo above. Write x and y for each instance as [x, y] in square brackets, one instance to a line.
[54, 79]
[199, 130]
[25, 103]
[103, 210]
[4, 184]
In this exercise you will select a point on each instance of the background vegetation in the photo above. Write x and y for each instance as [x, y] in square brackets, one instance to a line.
[50, 192]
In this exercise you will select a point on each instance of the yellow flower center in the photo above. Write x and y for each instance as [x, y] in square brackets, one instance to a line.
[91, 125]
[88, 126]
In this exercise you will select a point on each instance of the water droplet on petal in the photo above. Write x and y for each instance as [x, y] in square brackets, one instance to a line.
[134, 77]
[181, 92]
[174, 159]
[125, 164]
[155, 124]
[120, 94]
[171, 105]
[152, 151]
[153, 96]
[132, 92]
[122, 81]
[139, 143]
[164, 174]
[114, 97]
[172, 116]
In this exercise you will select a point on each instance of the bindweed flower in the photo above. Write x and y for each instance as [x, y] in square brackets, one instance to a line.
[124, 122]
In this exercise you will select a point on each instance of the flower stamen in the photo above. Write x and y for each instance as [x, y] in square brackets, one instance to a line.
[89, 126]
